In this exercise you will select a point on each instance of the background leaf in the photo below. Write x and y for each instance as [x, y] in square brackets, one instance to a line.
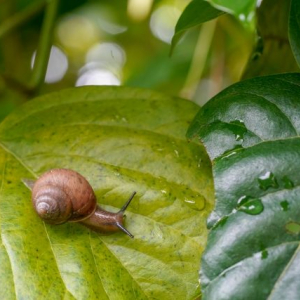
[121, 140]
[251, 131]
[196, 13]
[273, 42]
[243, 10]
[294, 29]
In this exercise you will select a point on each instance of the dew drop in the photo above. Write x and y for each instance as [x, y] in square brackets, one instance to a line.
[264, 254]
[243, 200]
[287, 183]
[252, 207]
[230, 152]
[239, 130]
[190, 202]
[195, 203]
[284, 205]
[293, 227]
[199, 163]
[238, 122]
[267, 181]
[242, 17]
[220, 223]
[239, 137]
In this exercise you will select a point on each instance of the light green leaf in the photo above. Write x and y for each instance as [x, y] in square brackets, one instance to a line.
[251, 131]
[243, 10]
[121, 140]
[196, 13]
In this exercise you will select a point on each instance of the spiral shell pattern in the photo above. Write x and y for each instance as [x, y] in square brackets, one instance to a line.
[62, 195]
[53, 205]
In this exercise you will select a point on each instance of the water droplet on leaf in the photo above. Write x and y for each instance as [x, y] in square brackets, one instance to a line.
[264, 254]
[243, 200]
[293, 227]
[239, 130]
[284, 205]
[199, 163]
[220, 223]
[196, 203]
[252, 207]
[230, 152]
[287, 183]
[238, 122]
[267, 181]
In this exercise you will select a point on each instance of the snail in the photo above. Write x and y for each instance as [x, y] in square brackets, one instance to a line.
[62, 195]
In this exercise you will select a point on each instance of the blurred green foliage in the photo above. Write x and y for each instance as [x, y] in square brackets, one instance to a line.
[120, 42]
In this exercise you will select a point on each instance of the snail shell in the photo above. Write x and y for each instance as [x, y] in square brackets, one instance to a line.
[62, 195]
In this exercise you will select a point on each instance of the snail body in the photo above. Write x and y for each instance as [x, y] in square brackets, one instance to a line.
[62, 195]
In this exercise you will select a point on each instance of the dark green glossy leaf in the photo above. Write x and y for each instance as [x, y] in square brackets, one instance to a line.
[251, 131]
[196, 13]
[294, 29]
[121, 140]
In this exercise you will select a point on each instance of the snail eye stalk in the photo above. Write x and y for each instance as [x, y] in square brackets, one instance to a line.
[124, 230]
[127, 203]
[121, 212]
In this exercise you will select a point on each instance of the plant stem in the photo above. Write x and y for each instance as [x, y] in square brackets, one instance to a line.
[43, 49]
[44, 46]
[199, 59]
[20, 18]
